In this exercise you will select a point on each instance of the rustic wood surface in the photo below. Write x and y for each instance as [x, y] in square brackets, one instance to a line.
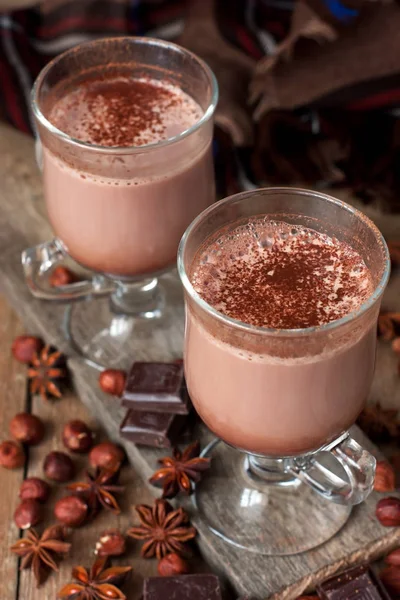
[23, 224]
[15, 585]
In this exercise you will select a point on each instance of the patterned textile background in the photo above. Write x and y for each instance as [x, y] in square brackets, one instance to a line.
[310, 89]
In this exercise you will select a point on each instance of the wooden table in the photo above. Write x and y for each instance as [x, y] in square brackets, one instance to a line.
[24, 223]
[14, 398]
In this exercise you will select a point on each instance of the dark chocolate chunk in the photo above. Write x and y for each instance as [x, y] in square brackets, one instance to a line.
[157, 387]
[359, 583]
[152, 428]
[183, 587]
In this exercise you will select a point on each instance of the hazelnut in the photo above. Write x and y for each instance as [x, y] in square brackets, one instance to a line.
[77, 436]
[62, 276]
[171, 565]
[11, 455]
[71, 511]
[28, 514]
[111, 543]
[390, 577]
[388, 512]
[34, 488]
[24, 348]
[384, 477]
[58, 467]
[112, 381]
[27, 428]
[106, 455]
[396, 345]
[393, 558]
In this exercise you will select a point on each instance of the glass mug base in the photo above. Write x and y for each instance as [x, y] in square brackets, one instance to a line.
[108, 340]
[280, 516]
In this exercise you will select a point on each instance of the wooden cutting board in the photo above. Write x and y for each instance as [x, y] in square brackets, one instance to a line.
[23, 224]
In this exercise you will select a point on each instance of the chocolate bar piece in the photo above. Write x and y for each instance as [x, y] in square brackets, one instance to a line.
[182, 587]
[359, 583]
[152, 429]
[157, 387]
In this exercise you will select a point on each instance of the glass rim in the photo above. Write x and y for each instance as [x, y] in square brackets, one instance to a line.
[207, 115]
[246, 327]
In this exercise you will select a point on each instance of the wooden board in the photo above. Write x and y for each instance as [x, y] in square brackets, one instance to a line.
[14, 398]
[22, 224]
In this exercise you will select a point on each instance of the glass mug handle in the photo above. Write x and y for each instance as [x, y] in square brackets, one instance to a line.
[38, 260]
[356, 463]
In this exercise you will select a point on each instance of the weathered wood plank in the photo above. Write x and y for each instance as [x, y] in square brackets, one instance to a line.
[12, 401]
[14, 398]
[55, 415]
[22, 225]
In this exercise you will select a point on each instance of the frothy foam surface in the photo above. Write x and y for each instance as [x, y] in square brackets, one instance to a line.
[120, 111]
[273, 274]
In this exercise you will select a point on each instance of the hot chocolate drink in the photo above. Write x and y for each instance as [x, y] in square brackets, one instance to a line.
[286, 396]
[124, 213]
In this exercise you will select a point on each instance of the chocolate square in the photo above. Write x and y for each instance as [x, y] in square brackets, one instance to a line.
[359, 583]
[157, 387]
[183, 587]
[159, 430]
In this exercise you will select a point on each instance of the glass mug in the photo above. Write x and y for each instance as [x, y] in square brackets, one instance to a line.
[120, 211]
[285, 398]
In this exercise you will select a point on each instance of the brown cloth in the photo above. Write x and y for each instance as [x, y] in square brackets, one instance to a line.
[233, 69]
[323, 104]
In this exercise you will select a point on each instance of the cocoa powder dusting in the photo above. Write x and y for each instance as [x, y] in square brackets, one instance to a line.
[271, 274]
[121, 111]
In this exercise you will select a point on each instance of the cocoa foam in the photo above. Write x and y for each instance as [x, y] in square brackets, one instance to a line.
[272, 274]
[122, 111]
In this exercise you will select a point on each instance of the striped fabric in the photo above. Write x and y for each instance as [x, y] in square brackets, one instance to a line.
[335, 124]
[31, 37]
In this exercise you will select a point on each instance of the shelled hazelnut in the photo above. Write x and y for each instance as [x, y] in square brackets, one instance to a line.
[111, 543]
[393, 558]
[171, 565]
[71, 511]
[59, 467]
[28, 514]
[34, 488]
[62, 276]
[106, 455]
[388, 512]
[396, 345]
[27, 428]
[24, 348]
[112, 381]
[11, 455]
[77, 437]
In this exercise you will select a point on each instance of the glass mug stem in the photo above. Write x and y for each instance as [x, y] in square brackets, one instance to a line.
[342, 472]
[143, 298]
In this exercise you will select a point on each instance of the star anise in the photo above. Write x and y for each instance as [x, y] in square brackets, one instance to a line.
[46, 373]
[162, 529]
[42, 553]
[388, 325]
[98, 583]
[180, 471]
[380, 424]
[98, 490]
